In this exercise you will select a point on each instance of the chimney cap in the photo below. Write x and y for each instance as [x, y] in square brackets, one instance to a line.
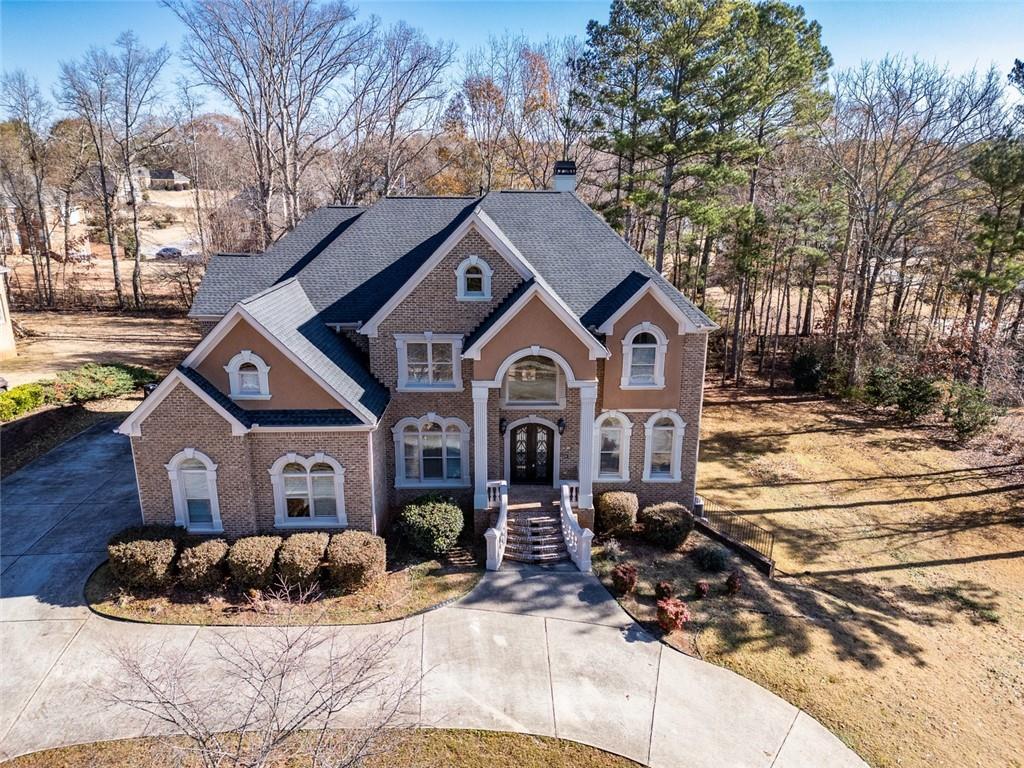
[565, 167]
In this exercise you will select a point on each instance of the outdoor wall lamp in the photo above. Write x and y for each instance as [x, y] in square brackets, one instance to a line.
[561, 426]
[502, 426]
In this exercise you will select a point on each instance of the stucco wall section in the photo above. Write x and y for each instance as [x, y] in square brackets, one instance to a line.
[290, 386]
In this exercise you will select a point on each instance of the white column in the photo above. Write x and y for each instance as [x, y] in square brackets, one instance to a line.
[479, 446]
[588, 407]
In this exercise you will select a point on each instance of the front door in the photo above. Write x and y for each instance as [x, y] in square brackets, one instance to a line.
[533, 454]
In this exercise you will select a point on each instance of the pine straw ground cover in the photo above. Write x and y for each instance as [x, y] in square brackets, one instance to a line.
[417, 749]
[412, 585]
[897, 614]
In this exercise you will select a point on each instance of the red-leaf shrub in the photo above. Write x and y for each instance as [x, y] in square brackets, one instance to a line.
[701, 589]
[663, 589]
[672, 614]
[624, 578]
[734, 583]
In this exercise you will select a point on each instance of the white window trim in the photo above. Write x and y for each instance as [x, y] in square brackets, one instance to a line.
[178, 492]
[534, 405]
[400, 479]
[402, 340]
[235, 379]
[281, 519]
[626, 381]
[677, 447]
[460, 276]
[627, 433]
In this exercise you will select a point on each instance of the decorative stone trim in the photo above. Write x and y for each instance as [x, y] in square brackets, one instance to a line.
[401, 481]
[234, 369]
[679, 430]
[624, 424]
[628, 346]
[462, 291]
[281, 519]
[179, 497]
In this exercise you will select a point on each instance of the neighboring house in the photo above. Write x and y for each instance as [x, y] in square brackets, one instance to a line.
[425, 345]
[8, 348]
[167, 178]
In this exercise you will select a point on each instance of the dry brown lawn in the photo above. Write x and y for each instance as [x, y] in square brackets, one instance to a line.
[897, 616]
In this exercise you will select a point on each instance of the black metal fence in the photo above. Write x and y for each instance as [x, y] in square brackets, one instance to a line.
[739, 531]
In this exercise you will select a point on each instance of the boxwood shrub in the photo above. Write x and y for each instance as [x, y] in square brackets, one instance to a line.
[615, 511]
[251, 561]
[300, 557]
[667, 524]
[143, 557]
[201, 563]
[431, 524]
[711, 558]
[355, 559]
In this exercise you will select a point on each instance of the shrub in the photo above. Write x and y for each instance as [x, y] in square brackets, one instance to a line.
[711, 558]
[615, 511]
[882, 387]
[672, 614]
[21, 399]
[612, 549]
[143, 557]
[355, 559]
[663, 589]
[667, 524]
[95, 382]
[624, 578]
[969, 411]
[701, 589]
[300, 557]
[917, 397]
[734, 583]
[251, 561]
[201, 563]
[431, 524]
[809, 370]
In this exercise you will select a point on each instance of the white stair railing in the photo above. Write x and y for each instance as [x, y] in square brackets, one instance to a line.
[494, 492]
[497, 537]
[577, 538]
[574, 490]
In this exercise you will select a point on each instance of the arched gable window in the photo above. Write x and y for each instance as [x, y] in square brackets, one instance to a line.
[248, 376]
[431, 452]
[308, 491]
[611, 446]
[193, 477]
[643, 357]
[474, 279]
[534, 380]
[663, 447]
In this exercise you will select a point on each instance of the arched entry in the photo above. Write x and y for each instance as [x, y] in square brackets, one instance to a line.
[531, 452]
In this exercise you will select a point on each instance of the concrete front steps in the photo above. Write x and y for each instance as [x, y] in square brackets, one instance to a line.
[535, 535]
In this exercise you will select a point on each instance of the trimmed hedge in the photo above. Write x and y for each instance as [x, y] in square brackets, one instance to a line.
[615, 511]
[431, 524]
[201, 563]
[667, 524]
[251, 561]
[355, 559]
[300, 557]
[143, 557]
[21, 399]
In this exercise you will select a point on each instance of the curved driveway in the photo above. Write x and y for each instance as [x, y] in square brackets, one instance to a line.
[542, 652]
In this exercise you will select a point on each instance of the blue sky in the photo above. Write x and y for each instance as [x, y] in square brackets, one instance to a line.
[36, 34]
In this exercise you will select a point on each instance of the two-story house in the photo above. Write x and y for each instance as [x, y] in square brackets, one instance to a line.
[425, 344]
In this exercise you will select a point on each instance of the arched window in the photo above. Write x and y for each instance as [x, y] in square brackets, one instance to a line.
[534, 380]
[663, 447]
[308, 491]
[248, 376]
[612, 446]
[431, 452]
[193, 477]
[474, 279]
[643, 357]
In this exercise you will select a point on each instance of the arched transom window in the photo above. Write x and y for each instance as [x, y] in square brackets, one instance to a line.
[663, 447]
[534, 380]
[193, 478]
[612, 446]
[431, 452]
[308, 491]
[643, 357]
[248, 376]
[474, 279]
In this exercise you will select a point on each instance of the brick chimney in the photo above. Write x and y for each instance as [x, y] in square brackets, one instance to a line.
[565, 176]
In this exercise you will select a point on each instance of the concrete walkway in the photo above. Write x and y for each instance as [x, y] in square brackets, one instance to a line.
[544, 652]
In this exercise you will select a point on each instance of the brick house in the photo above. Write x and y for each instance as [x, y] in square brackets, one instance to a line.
[475, 347]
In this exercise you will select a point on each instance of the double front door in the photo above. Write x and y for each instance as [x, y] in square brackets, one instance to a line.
[532, 459]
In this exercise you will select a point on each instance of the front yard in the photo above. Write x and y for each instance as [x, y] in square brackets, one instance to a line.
[897, 614]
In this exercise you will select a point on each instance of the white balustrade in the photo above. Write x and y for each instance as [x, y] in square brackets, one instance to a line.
[574, 491]
[577, 538]
[497, 537]
[494, 492]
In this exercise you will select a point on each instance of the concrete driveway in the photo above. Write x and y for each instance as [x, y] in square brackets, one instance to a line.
[532, 651]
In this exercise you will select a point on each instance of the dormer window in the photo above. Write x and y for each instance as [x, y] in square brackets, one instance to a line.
[474, 279]
[643, 357]
[248, 376]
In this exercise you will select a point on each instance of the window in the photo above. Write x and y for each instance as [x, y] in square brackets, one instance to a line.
[612, 448]
[474, 280]
[308, 491]
[664, 443]
[431, 452]
[533, 380]
[429, 361]
[193, 477]
[248, 376]
[643, 358]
